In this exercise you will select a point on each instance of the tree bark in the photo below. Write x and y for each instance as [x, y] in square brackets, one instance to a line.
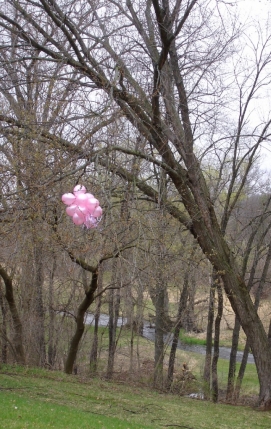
[80, 326]
[216, 341]
[17, 325]
[114, 301]
[269, 333]
[241, 372]
[209, 335]
[176, 332]
[38, 305]
[113, 306]
[232, 362]
[51, 330]
[4, 342]
[159, 336]
[93, 360]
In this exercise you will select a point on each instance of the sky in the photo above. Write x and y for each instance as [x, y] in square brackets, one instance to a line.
[259, 11]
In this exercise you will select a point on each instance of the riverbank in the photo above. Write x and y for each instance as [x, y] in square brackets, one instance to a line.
[149, 333]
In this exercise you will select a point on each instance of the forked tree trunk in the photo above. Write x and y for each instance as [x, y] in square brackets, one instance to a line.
[80, 326]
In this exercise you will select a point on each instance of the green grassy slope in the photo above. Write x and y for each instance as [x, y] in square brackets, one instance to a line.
[42, 399]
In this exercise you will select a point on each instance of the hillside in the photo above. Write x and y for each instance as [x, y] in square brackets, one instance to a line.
[40, 399]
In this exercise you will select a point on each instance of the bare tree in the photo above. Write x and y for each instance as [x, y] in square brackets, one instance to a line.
[161, 66]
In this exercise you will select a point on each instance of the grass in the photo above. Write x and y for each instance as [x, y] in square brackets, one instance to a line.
[33, 398]
[191, 340]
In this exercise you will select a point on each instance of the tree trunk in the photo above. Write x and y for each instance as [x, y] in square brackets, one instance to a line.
[216, 341]
[111, 348]
[114, 304]
[189, 320]
[4, 342]
[39, 306]
[51, 330]
[232, 362]
[94, 348]
[153, 295]
[80, 326]
[241, 372]
[182, 305]
[269, 333]
[17, 325]
[93, 360]
[159, 337]
[209, 334]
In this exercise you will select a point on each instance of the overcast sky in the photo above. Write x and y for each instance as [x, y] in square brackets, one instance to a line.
[259, 11]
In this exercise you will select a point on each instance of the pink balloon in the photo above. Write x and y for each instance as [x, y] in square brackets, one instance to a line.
[97, 212]
[88, 195]
[68, 198]
[79, 189]
[81, 210]
[71, 210]
[91, 204]
[82, 207]
[81, 200]
[77, 220]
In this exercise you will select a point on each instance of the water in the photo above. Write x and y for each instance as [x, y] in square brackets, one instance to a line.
[149, 333]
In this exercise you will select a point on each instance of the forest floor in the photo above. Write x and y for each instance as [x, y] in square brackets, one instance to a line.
[134, 364]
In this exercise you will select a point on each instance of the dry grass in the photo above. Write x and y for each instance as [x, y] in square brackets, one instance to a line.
[138, 370]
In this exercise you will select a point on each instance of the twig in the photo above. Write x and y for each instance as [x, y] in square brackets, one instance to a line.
[179, 426]
[131, 411]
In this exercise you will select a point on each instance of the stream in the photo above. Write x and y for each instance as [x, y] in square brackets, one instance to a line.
[149, 333]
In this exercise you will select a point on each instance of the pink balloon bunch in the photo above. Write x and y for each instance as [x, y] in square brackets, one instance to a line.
[82, 207]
